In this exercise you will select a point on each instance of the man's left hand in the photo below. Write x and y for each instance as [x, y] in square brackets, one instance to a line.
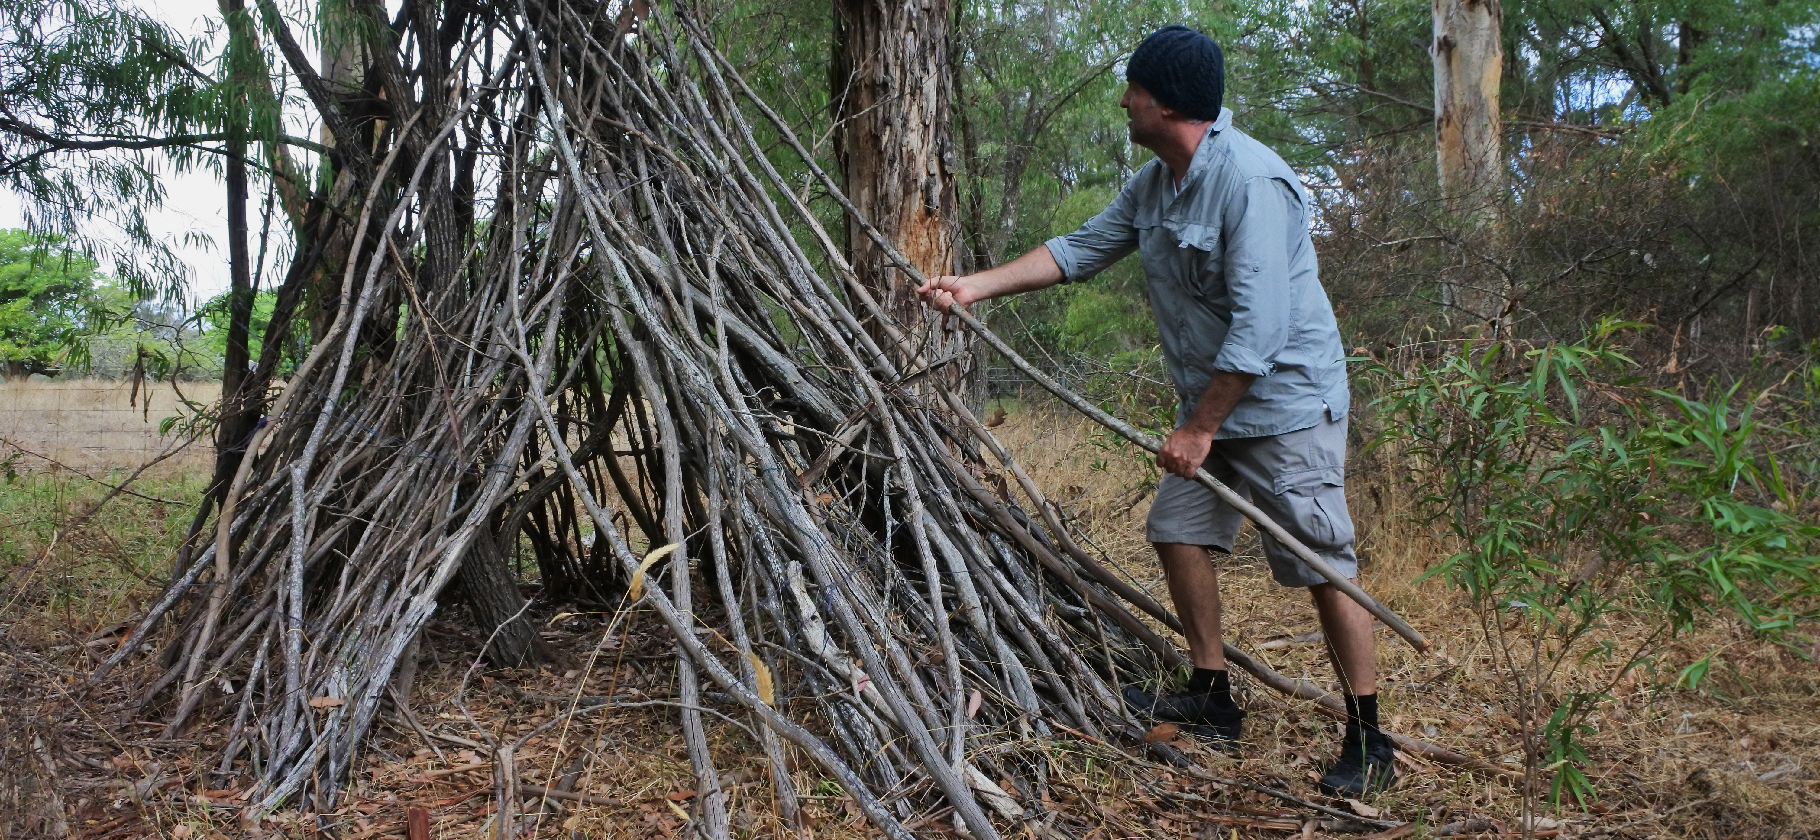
[1184, 451]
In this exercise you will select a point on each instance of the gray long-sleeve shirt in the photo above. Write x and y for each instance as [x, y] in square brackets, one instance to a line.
[1232, 280]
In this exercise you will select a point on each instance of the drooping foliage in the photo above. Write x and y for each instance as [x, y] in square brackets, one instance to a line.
[98, 102]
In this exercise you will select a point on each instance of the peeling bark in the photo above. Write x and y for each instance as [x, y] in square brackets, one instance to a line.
[893, 95]
[1469, 62]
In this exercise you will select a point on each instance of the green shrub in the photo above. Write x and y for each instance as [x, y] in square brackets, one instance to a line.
[1577, 493]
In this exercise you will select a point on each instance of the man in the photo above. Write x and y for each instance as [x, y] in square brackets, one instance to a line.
[1222, 224]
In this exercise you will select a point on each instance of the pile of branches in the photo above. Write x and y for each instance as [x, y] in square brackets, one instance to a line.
[648, 363]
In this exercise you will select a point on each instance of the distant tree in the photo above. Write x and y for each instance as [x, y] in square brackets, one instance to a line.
[153, 338]
[216, 320]
[100, 102]
[49, 301]
[1470, 168]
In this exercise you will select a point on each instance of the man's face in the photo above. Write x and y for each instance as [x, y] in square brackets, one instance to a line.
[1149, 121]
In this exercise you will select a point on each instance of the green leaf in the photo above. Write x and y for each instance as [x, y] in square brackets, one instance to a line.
[1690, 676]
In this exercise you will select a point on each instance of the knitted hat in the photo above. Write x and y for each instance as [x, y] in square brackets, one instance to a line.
[1183, 69]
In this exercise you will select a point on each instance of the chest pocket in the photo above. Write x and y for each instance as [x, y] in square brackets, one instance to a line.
[1196, 235]
[1184, 256]
[1203, 256]
[1156, 245]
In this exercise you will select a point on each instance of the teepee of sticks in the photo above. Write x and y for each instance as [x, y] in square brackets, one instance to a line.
[645, 355]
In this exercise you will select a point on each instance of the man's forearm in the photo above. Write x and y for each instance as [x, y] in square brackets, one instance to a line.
[1034, 270]
[1217, 401]
[1187, 446]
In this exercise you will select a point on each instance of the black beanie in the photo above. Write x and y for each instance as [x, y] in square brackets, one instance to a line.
[1183, 69]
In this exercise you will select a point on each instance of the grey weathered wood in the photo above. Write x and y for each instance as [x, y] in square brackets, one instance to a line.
[833, 521]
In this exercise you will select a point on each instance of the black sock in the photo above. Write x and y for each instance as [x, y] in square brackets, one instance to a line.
[1362, 712]
[1209, 681]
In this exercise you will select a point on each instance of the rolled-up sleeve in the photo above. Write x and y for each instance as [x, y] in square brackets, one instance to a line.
[1266, 213]
[1102, 241]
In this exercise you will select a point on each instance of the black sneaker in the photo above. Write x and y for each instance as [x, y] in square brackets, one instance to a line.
[1197, 713]
[1366, 766]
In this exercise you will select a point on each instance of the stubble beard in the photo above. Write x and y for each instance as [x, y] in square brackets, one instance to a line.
[1140, 137]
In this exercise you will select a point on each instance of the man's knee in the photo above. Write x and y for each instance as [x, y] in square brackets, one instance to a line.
[1326, 591]
[1177, 555]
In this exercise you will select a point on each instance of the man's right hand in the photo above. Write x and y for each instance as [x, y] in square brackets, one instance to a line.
[1034, 270]
[948, 290]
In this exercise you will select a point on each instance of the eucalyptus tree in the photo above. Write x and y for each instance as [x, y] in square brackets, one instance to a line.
[892, 86]
[97, 102]
[1468, 54]
[100, 100]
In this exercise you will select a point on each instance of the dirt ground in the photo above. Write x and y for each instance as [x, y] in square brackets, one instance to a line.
[1739, 758]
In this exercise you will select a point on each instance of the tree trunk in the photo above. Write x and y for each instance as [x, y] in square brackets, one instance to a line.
[1469, 63]
[498, 608]
[1687, 43]
[239, 407]
[344, 56]
[893, 98]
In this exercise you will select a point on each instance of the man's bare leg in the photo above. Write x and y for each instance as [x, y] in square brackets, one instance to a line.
[1366, 764]
[1351, 642]
[1194, 587]
[1204, 704]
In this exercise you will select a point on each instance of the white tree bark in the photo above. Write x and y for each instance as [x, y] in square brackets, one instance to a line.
[1469, 63]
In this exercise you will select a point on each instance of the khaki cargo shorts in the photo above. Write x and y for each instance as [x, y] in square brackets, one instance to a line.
[1297, 478]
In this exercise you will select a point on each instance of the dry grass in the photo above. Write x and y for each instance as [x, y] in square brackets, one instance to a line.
[1739, 760]
[93, 426]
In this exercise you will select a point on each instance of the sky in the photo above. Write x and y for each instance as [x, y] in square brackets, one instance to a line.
[195, 200]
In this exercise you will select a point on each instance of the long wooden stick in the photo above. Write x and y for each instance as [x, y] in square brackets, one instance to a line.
[911, 272]
[1226, 494]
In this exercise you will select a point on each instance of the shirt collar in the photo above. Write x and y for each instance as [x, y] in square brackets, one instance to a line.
[1204, 152]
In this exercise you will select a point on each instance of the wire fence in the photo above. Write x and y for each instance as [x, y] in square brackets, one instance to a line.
[95, 426]
[1006, 382]
[1096, 379]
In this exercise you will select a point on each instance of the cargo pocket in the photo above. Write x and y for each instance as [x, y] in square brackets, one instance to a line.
[1317, 499]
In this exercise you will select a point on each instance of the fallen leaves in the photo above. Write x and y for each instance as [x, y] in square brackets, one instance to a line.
[1161, 732]
[1363, 809]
